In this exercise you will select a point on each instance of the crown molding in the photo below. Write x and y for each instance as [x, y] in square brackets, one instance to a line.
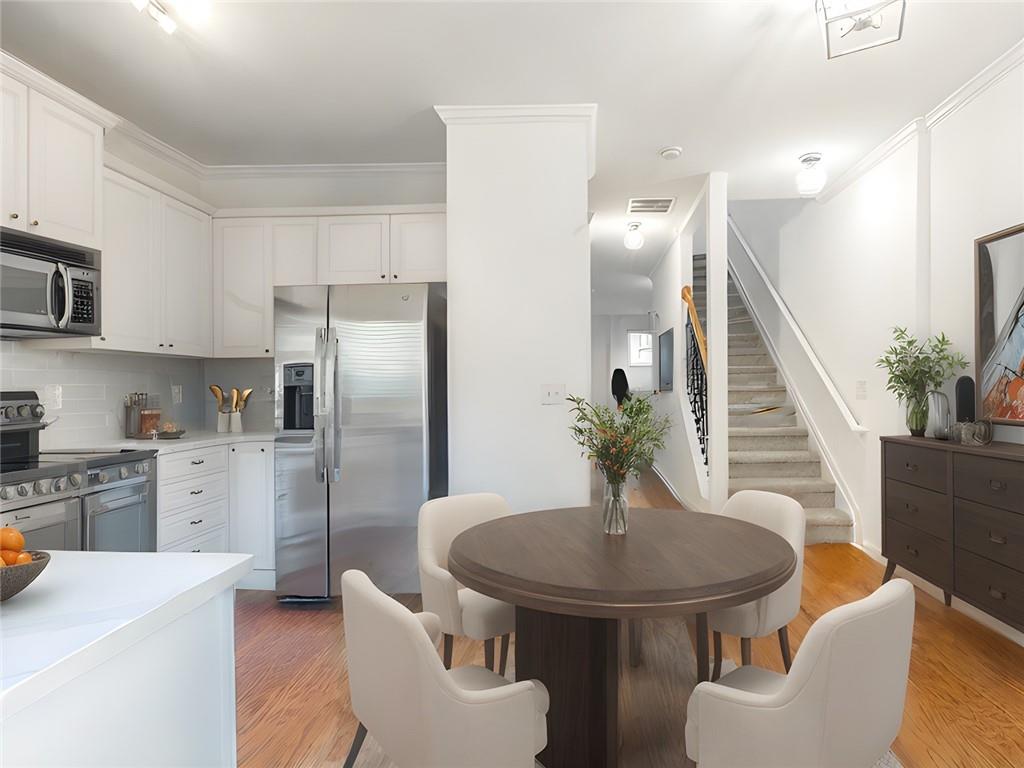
[977, 85]
[319, 169]
[17, 69]
[160, 149]
[528, 113]
[873, 158]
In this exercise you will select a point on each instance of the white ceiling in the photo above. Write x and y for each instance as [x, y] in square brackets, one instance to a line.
[743, 87]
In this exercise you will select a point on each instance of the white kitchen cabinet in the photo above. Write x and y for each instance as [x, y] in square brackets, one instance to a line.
[131, 283]
[353, 249]
[65, 173]
[187, 273]
[418, 248]
[14, 153]
[243, 294]
[293, 249]
[251, 516]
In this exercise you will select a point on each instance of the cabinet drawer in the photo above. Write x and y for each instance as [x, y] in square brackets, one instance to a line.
[178, 466]
[919, 508]
[919, 552]
[994, 587]
[215, 540]
[992, 533]
[918, 466]
[995, 482]
[192, 522]
[189, 493]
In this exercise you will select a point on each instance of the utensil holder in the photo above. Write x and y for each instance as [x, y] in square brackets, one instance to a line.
[223, 422]
[236, 421]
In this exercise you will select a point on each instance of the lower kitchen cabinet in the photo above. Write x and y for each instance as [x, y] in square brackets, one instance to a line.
[211, 541]
[251, 502]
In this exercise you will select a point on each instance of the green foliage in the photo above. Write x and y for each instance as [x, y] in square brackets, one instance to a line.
[619, 442]
[915, 367]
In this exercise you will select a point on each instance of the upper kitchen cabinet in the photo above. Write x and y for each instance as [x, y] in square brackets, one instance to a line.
[417, 248]
[353, 249]
[14, 154]
[293, 249]
[65, 173]
[187, 273]
[243, 296]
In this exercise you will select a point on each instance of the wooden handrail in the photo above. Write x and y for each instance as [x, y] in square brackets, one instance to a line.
[698, 329]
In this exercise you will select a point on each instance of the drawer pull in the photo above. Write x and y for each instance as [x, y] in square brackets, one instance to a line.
[195, 522]
[995, 538]
[195, 493]
[913, 550]
[911, 467]
[996, 593]
[197, 462]
[997, 485]
[196, 550]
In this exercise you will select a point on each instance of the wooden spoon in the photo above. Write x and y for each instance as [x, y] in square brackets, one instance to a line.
[245, 398]
[219, 394]
[234, 399]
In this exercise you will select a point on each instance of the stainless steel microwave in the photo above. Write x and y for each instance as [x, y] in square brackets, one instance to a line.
[47, 290]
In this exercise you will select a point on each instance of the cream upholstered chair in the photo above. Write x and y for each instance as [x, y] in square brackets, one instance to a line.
[840, 706]
[773, 612]
[422, 715]
[461, 610]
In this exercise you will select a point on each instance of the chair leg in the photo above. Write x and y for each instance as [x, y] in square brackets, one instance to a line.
[636, 642]
[745, 650]
[449, 642]
[503, 663]
[489, 653]
[357, 744]
[890, 569]
[787, 659]
[717, 671]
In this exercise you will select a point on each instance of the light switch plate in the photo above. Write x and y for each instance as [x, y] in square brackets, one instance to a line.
[552, 394]
[860, 390]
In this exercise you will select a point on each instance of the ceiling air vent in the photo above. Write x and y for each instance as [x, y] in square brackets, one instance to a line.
[650, 204]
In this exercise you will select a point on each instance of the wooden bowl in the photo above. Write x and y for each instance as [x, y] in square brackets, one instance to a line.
[14, 578]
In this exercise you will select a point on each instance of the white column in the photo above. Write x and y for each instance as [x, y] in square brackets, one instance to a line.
[718, 339]
[518, 299]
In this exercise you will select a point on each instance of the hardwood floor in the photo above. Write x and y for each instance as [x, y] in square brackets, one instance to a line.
[965, 701]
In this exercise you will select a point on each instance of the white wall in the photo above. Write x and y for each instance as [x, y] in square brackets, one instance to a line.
[518, 307]
[257, 373]
[609, 351]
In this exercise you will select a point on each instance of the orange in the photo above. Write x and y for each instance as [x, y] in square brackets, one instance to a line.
[9, 556]
[23, 557]
[11, 538]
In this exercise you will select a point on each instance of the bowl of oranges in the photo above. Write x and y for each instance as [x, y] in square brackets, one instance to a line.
[18, 568]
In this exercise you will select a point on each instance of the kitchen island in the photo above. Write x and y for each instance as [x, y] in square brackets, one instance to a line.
[121, 659]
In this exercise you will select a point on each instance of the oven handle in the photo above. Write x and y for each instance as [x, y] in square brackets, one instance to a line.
[32, 519]
[68, 296]
[128, 501]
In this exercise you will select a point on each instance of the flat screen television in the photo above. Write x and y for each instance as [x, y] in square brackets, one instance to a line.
[665, 368]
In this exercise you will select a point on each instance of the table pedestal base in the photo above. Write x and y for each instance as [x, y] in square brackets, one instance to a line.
[578, 660]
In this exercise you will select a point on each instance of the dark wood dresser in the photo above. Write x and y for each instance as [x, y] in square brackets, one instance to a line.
[954, 515]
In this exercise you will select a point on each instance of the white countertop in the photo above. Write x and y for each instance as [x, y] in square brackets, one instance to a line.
[190, 441]
[86, 607]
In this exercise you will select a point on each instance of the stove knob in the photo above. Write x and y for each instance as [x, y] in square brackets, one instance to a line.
[145, 467]
[40, 487]
[23, 410]
[8, 412]
[76, 480]
[38, 411]
[140, 469]
[23, 490]
[123, 473]
[60, 484]
[102, 477]
[6, 493]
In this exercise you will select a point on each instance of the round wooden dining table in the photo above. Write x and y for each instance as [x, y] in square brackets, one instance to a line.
[572, 584]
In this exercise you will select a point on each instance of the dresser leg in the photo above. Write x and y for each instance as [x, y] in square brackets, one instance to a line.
[948, 598]
[890, 569]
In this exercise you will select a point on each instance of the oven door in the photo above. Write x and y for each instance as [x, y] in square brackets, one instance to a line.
[53, 526]
[120, 519]
[33, 296]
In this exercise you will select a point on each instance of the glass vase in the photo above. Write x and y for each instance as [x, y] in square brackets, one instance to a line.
[917, 416]
[615, 509]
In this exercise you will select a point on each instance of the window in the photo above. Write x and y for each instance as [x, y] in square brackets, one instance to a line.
[640, 346]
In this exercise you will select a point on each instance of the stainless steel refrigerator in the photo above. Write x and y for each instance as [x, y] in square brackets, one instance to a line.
[361, 431]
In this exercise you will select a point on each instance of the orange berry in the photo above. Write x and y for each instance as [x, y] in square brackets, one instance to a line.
[9, 556]
[23, 558]
[11, 538]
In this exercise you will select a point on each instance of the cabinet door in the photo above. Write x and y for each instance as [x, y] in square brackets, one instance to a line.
[243, 297]
[352, 249]
[14, 154]
[417, 248]
[187, 272]
[65, 173]
[130, 267]
[251, 517]
[293, 247]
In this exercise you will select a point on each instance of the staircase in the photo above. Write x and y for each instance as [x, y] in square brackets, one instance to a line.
[768, 451]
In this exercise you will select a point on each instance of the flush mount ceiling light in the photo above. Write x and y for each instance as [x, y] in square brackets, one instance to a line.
[810, 180]
[856, 25]
[633, 240]
[671, 153]
[157, 13]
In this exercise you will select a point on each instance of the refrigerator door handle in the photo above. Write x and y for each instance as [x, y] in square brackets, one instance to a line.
[332, 429]
[319, 468]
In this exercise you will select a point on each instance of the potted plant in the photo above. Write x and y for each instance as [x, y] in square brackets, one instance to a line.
[916, 367]
[620, 443]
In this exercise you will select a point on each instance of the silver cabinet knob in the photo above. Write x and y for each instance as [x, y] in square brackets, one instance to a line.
[35, 222]
[14, 215]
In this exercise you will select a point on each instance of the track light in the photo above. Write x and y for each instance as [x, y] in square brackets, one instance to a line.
[157, 13]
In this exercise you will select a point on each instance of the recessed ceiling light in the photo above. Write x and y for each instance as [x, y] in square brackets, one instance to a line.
[810, 179]
[671, 153]
[633, 240]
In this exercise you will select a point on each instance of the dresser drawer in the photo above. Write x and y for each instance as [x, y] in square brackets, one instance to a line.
[992, 533]
[994, 587]
[919, 508]
[179, 466]
[996, 482]
[213, 541]
[925, 467]
[919, 552]
[192, 522]
[189, 493]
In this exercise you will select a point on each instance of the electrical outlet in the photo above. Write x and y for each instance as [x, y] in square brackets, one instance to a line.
[552, 394]
[176, 394]
[53, 397]
[860, 390]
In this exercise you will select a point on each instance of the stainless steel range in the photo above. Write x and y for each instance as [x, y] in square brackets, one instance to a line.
[71, 500]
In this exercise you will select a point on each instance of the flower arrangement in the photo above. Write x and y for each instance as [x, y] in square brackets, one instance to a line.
[620, 442]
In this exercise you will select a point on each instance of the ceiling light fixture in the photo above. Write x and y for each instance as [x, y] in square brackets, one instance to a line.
[856, 25]
[157, 13]
[671, 153]
[633, 240]
[810, 180]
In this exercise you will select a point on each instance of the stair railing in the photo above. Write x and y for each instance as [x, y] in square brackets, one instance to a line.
[696, 371]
